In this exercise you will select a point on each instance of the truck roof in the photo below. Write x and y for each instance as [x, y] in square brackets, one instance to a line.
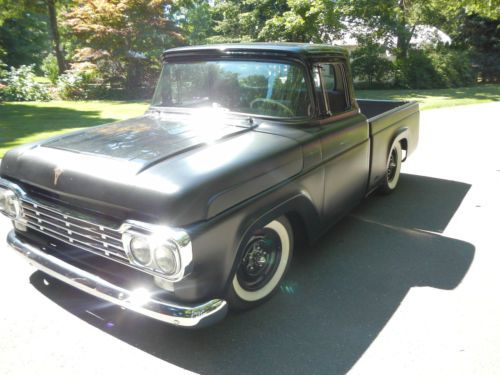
[300, 49]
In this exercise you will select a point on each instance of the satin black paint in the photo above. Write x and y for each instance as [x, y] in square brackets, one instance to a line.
[164, 167]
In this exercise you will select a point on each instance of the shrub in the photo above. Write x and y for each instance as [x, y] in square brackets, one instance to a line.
[369, 64]
[82, 82]
[441, 67]
[50, 68]
[20, 85]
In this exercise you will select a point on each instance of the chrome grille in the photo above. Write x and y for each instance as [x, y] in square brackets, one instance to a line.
[73, 230]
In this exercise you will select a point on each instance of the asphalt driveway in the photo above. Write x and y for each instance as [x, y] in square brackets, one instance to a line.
[408, 283]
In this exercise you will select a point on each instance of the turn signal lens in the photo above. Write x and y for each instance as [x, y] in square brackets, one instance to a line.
[9, 204]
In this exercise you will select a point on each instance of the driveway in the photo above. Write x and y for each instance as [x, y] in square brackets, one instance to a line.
[407, 283]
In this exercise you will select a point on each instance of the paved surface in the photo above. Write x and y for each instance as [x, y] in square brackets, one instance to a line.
[408, 283]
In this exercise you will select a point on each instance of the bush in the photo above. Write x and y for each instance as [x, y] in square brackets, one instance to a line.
[50, 68]
[440, 67]
[82, 82]
[369, 64]
[20, 86]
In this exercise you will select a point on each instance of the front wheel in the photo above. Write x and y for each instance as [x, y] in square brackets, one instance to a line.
[393, 170]
[264, 262]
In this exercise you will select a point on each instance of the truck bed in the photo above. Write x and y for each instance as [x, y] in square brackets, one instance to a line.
[386, 118]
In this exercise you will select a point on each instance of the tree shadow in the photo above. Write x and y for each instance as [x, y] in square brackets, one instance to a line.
[19, 121]
[336, 299]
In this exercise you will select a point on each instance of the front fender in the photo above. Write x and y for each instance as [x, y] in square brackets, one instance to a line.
[217, 243]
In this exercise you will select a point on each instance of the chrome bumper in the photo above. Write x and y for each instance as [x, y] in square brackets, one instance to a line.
[186, 316]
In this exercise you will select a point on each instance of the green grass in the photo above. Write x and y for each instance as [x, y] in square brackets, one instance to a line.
[438, 98]
[31, 121]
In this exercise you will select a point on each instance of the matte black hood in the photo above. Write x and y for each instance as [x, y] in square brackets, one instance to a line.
[145, 140]
[175, 169]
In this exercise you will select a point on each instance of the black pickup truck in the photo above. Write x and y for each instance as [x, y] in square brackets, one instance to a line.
[194, 207]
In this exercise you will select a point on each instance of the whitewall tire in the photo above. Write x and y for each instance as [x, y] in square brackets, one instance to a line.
[264, 262]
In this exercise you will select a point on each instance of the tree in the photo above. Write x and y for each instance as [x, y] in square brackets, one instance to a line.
[24, 39]
[194, 18]
[54, 32]
[315, 21]
[391, 20]
[243, 20]
[19, 9]
[481, 36]
[369, 63]
[123, 38]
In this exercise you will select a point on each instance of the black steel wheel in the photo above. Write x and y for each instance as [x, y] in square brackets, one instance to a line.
[393, 170]
[264, 261]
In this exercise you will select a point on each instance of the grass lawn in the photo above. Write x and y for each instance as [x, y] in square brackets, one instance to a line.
[31, 121]
[23, 122]
[438, 98]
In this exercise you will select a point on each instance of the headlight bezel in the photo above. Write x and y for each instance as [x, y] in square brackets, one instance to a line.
[157, 236]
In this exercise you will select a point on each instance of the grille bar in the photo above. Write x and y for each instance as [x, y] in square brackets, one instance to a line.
[99, 239]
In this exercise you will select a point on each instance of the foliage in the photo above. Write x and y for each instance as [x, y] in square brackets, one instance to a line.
[21, 85]
[47, 11]
[282, 20]
[242, 21]
[315, 21]
[77, 84]
[3, 66]
[489, 9]
[195, 18]
[369, 63]
[123, 38]
[50, 68]
[481, 36]
[25, 40]
[393, 21]
[435, 68]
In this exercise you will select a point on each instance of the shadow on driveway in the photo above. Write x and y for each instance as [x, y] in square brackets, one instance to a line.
[337, 297]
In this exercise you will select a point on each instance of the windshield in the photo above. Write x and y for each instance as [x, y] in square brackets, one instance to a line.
[250, 87]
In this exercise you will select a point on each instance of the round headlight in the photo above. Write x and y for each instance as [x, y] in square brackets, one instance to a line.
[9, 203]
[167, 258]
[139, 248]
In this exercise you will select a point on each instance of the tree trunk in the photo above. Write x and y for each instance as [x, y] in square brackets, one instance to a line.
[61, 63]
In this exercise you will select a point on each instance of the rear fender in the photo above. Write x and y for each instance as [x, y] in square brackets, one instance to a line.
[401, 134]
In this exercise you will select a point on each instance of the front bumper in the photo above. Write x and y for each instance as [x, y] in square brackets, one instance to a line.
[186, 316]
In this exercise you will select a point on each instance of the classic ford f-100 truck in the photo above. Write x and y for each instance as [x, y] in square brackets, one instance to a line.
[195, 206]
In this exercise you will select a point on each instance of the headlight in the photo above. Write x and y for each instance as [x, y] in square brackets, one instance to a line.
[9, 203]
[140, 250]
[167, 258]
[159, 250]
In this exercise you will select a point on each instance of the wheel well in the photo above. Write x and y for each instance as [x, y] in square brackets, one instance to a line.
[300, 236]
[404, 148]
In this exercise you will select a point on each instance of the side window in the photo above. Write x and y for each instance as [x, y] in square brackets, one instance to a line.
[333, 79]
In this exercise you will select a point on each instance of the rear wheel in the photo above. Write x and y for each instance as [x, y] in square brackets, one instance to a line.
[265, 260]
[393, 170]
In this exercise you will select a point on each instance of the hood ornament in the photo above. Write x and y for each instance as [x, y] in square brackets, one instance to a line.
[57, 173]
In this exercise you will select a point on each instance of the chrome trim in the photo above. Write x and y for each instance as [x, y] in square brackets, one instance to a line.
[185, 316]
[47, 220]
[56, 222]
[157, 235]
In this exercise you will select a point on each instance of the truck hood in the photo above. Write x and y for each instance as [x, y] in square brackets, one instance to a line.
[174, 169]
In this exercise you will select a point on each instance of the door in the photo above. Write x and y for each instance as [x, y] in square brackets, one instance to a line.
[345, 140]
